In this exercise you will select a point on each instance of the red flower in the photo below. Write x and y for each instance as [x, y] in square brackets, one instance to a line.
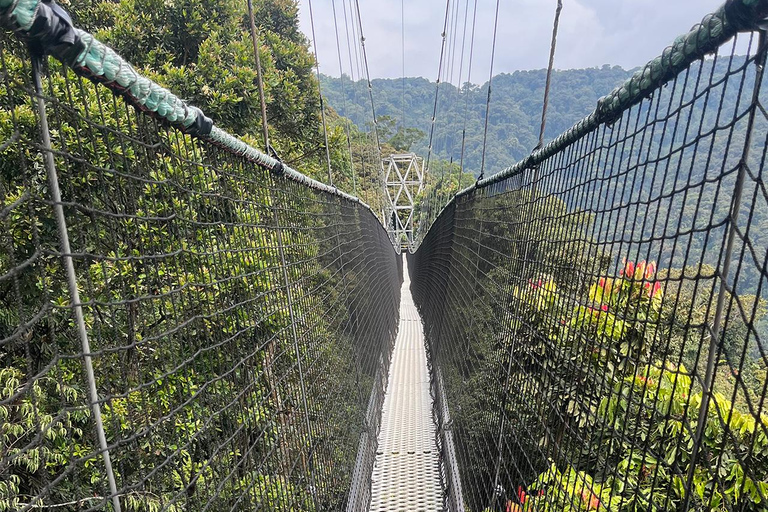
[604, 307]
[601, 282]
[590, 500]
[629, 270]
[521, 496]
[650, 270]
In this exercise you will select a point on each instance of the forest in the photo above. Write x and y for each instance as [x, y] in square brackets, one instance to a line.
[514, 121]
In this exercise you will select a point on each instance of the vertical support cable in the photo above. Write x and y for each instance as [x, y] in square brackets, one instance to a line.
[295, 335]
[552, 46]
[488, 100]
[320, 93]
[384, 196]
[259, 77]
[346, 111]
[715, 334]
[466, 95]
[458, 91]
[437, 85]
[66, 256]
[402, 46]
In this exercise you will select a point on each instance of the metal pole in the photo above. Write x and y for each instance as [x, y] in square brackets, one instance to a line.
[69, 267]
[259, 77]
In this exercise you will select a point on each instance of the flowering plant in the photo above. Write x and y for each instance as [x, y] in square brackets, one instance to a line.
[621, 313]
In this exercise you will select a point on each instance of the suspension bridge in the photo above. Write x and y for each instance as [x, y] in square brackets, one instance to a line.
[189, 323]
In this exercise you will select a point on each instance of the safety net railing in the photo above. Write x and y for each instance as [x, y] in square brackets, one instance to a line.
[596, 314]
[185, 323]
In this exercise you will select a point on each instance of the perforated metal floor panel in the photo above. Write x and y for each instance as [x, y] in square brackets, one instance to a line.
[406, 475]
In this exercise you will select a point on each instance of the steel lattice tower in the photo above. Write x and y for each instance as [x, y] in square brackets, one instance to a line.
[404, 178]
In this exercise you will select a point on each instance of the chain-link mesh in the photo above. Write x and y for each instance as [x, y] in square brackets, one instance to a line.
[238, 321]
[598, 315]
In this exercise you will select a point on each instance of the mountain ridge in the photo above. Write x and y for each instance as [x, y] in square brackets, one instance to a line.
[515, 112]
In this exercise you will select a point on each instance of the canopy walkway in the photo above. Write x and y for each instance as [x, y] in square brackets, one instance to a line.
[406, 475]
[187, 323]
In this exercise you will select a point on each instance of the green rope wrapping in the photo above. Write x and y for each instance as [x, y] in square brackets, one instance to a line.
[714, 30]
[101, 62]
[22, 12]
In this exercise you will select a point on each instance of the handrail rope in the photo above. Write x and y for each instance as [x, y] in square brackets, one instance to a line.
[48, 26]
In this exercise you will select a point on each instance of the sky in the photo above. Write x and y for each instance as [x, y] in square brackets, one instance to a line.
[627, 33]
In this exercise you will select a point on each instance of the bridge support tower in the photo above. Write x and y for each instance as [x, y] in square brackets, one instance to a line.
[404, 177]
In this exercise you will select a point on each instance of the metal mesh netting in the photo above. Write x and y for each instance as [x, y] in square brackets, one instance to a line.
[598, 323]
[238, 321]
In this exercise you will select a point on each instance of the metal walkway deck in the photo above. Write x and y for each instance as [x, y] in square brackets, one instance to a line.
[406, 475]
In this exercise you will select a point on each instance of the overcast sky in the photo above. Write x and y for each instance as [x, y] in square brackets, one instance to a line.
[627, 33]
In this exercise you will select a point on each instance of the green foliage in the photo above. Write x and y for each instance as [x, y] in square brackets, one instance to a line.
[181, 280]
[203, 52]
[598, 367]
[655, 403]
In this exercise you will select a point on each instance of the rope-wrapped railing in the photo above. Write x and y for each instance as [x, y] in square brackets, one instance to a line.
[49, 30]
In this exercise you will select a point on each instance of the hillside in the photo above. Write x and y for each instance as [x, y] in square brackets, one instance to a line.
[515, 109]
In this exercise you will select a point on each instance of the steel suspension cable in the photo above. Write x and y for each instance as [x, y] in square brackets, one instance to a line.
[457, 95]
[466, 96]
[320, 93]
[344, 99]
[446, 174]
[549, 72]
[402, 45]
[434, 110]
[488, 100]
[373, 106]
[447, 77]
[352, 48]
[437, 87]
[259, 77]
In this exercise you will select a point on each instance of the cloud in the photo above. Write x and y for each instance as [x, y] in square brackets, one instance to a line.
[592, 33]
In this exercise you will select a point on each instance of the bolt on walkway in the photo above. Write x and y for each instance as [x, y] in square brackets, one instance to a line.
[406, 474]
